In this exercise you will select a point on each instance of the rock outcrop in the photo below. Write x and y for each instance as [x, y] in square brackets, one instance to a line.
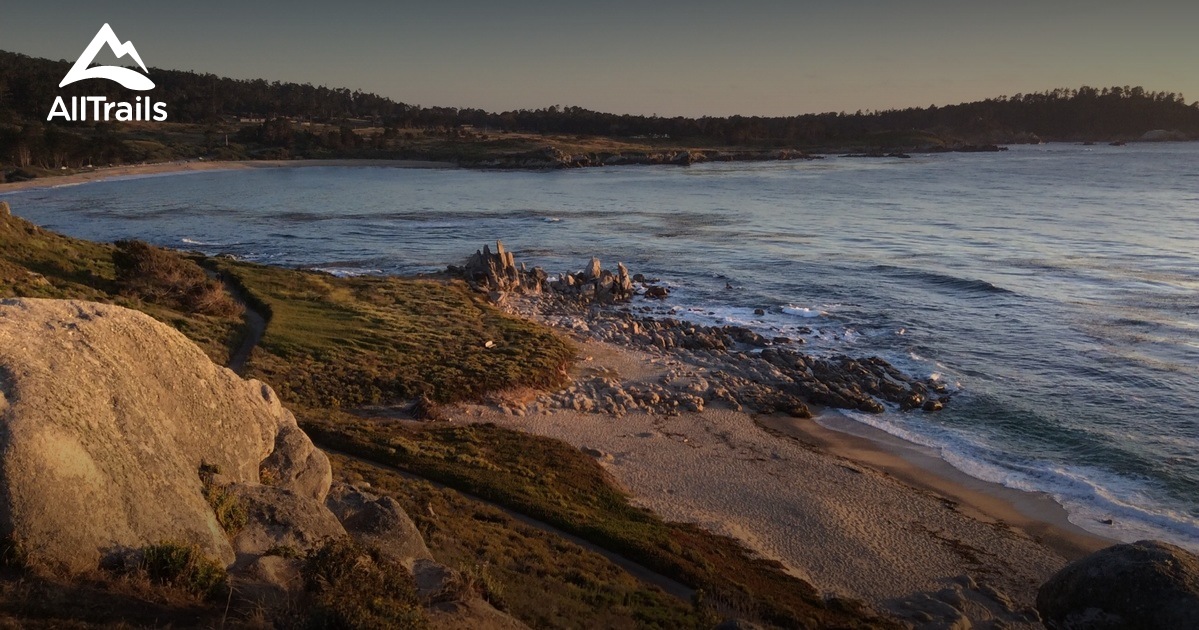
[1146, 584]
[106, 417]
[596, 284]
[117, 433]
[497, 274]
[730, 365]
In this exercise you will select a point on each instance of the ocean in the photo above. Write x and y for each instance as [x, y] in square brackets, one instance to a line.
[1055, 288]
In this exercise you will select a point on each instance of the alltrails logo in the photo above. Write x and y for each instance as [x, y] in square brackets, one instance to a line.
[142, 109]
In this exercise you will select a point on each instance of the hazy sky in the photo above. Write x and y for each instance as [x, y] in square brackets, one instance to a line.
[691, 58]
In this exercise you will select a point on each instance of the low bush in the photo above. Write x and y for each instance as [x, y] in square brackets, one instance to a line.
[230, 512]
[165, 277]
[350, 586]
[183, 566]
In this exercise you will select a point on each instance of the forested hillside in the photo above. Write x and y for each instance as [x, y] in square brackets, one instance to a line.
[230, 118]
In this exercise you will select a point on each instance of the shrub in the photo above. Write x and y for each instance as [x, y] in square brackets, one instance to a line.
[227, 506]
[478, 578]
[183, 566]
[164, 277]
[350, 586]
[284, 551]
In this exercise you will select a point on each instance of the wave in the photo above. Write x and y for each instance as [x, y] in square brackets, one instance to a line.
[1096, 500]
[801, 311]
[190, 241]
[935, 279]
[347, 272]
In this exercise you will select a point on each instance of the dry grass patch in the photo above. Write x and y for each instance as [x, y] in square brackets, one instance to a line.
[164, 277]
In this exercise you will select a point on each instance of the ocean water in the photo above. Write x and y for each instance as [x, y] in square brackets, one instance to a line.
[1054, 287]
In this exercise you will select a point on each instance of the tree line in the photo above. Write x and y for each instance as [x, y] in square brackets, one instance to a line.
[29, 85]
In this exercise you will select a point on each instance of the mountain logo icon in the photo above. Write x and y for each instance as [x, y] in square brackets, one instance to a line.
[129, 78]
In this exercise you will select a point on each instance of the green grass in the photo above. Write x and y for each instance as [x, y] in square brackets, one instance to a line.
[38, 263]
[228, 508]
[332, 342]
[185, 567]
[349, 342]
[553, 482]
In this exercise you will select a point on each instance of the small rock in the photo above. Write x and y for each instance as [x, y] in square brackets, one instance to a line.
[658, 293]
[596, 453]
[915, 400]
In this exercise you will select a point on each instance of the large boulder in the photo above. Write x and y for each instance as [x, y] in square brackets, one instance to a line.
[106, 417]
[1146, 584]
[378, 522]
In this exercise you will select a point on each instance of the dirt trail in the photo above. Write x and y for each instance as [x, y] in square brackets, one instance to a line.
[255, 327]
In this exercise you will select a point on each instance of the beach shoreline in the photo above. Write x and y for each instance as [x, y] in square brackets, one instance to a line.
[855, 512]
[191, 166]
[1036, 514]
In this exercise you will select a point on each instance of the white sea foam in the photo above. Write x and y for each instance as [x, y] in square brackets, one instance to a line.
[347, 272]
[801, 311]
[1091, 496]
[200, 243]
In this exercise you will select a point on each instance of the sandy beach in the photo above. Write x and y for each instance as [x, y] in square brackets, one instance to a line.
[187, 166]
[852, 515]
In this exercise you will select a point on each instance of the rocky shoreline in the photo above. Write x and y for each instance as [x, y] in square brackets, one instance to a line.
[673, 410]
[550, 158]
[732, 365]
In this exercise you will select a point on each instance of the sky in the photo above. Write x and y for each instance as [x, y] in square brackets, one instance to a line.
[662, 57]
